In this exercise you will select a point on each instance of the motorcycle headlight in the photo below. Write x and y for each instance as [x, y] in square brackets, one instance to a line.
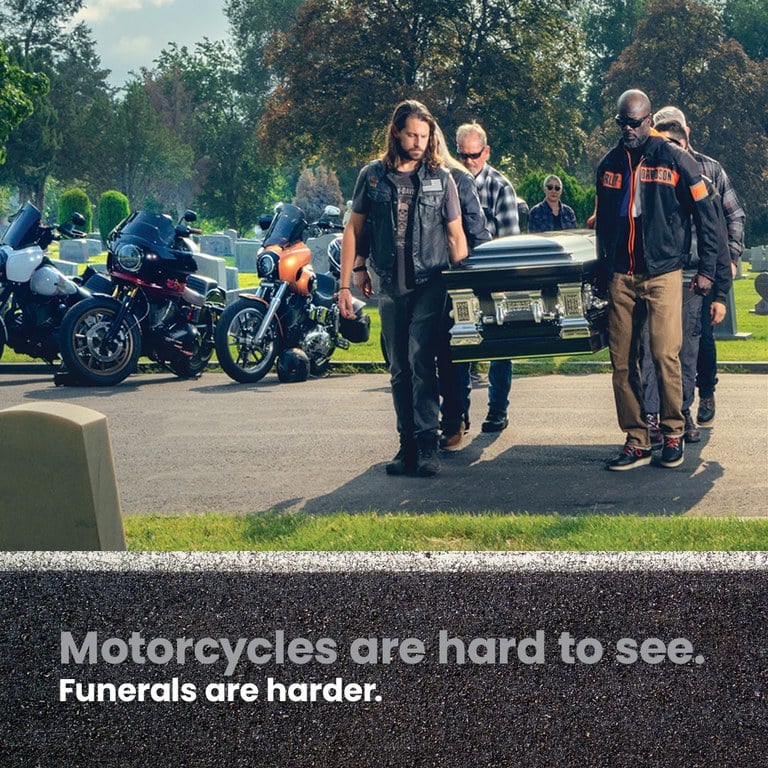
[266, 264]
[129, 257]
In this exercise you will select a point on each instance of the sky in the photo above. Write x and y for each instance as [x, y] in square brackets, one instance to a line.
[130, 34]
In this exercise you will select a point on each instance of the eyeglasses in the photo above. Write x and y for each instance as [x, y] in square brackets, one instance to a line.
[550, 187]
[470, 155]
[623, 120]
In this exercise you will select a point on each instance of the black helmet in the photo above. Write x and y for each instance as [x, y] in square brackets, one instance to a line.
[334, 257]
[293, 365]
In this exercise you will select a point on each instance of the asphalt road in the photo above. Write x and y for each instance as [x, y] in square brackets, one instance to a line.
[321, 446]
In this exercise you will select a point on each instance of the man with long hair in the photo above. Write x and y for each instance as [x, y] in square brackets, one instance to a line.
[411, 204]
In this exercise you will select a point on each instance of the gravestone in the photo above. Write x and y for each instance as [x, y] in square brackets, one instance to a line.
[95, 246]
[758, 258]
[727, 330]
[216, 245]
[212, 266]
[246, 255]
[74, 250]
[233, 279]
[57, 480]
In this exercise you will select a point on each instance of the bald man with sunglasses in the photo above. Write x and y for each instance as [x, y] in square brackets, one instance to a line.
[648, 191]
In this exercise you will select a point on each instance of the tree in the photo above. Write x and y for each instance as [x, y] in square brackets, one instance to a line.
[316, 188]
[39, 39]
[680, 56]
[343, 65]
[747, 22]
[17, 91]
[609, 27]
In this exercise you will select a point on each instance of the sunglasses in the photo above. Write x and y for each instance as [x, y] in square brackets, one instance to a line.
[470, 155]
[550, 187]
[623, 120]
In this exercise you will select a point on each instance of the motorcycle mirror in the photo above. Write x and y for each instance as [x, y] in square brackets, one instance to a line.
[264, 222]
[78, 219]
[331, 210]
[190, 215]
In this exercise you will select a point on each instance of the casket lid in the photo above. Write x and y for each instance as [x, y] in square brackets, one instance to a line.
[575, 246]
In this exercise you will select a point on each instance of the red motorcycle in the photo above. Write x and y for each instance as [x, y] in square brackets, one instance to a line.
[157, 307]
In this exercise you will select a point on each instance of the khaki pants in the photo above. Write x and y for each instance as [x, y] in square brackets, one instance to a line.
[633, 300]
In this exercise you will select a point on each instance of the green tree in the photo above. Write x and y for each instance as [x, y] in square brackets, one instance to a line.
[343, 65]
[40, 38]
[747, 22]
[113, 208]
[76, 201]
[17, 92]
[680, 56]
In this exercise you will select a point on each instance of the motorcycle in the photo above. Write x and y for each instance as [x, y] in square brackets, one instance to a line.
[293, 309]
[34, 294]
[158, 308]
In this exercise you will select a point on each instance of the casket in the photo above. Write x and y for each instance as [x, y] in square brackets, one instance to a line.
[528, 296]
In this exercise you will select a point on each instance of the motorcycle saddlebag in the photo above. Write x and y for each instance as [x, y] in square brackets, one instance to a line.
[358, 331]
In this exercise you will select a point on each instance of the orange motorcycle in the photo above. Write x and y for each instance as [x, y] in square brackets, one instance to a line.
[292, 317]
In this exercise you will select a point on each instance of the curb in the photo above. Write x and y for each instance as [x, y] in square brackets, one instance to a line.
[368, 366]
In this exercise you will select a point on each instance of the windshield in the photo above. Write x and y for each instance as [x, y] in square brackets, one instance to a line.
[287, 227]
[24, 227]
[150, 227]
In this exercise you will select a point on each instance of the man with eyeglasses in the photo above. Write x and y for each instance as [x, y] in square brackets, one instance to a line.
[648, 190]
[499, 202]
[551, 215]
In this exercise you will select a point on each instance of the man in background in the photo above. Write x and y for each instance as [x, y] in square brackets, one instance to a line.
[706, 374]
[500, 204]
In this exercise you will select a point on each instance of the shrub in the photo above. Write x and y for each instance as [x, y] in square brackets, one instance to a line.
[75, 201]
[113, 208]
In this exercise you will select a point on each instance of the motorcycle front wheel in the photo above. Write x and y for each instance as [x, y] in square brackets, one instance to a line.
[240, 357]
[87, 354]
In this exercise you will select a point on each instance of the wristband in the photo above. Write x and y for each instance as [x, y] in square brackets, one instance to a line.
[361, 268]
[344, 288]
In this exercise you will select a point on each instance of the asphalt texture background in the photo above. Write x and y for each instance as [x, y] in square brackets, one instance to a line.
[213, 445]
[706, 711]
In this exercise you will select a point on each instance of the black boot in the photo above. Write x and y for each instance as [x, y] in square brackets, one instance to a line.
[404, 462]
[427, 462]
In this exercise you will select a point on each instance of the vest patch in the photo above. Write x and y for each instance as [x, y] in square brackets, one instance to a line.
[659, 176]
[612, 180]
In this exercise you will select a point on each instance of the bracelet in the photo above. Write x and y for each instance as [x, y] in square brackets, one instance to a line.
[361, 268]
[345, 288]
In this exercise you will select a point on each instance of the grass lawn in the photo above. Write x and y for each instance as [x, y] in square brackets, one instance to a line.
[441, 532]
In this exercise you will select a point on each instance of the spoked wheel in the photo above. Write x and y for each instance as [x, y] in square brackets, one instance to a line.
[88, 354]
[240, 357]
[191, 367]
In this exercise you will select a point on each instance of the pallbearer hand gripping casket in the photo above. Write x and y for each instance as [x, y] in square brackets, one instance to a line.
[528, 296]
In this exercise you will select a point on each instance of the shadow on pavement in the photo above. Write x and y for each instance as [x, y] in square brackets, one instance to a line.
[530, 479]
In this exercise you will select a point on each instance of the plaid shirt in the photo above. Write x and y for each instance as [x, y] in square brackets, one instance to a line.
[734, 213]
[499, 201]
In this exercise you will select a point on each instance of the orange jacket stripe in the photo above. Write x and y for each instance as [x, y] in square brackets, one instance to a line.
[699, 191]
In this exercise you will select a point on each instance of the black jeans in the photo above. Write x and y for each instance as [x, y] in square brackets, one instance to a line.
[455, 383]
[411, 327]
[706, 367]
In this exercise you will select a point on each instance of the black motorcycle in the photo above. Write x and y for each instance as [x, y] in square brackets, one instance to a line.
[292, 314]
[34, 294]
[158, 307]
